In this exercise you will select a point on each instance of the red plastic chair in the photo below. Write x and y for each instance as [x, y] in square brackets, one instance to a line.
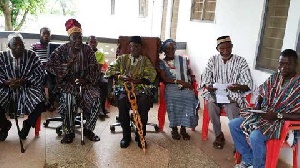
[37, 126]
[274, 146]
[162, 109]
[206, 119]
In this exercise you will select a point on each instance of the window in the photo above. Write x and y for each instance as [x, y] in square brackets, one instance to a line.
[112, 7]
[143, 8]
[203, 10]
[272, 34]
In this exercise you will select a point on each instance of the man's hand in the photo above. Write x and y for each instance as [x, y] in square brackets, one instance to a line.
[81, 82]
[185, 84]
[271, 116]
[234, 87]
[15, 82]
[210, 88]
[126, 78]
[62, 70]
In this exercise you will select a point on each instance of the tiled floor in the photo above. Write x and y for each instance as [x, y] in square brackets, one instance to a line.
[162, 152]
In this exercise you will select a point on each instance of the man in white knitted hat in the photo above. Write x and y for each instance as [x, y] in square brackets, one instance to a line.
[21, 86]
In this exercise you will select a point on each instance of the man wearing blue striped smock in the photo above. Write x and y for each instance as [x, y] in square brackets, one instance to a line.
[231, 69]
[21, 86]
[181, 100]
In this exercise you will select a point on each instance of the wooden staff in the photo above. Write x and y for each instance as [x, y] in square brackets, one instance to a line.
[136, 116]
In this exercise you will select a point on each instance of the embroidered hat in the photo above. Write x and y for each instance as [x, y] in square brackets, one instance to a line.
[136, 39]
[72, 25]
[223, 39]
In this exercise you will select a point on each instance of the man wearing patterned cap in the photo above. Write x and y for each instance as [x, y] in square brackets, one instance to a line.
[21, 86]
[139, 70]
[75, 65]
[226, 68]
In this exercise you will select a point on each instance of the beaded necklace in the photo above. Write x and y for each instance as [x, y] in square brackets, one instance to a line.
[170, 63]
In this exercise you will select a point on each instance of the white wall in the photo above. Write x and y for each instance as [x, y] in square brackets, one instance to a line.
[242, 20]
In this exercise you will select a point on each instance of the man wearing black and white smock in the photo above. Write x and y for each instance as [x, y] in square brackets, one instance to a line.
[231, 69]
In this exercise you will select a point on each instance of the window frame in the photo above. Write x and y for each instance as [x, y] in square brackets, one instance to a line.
[262, 35]
[143, 14]
[203, 11]
[112, 7]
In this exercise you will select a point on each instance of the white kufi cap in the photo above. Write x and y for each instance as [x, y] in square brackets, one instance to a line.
[16, 34]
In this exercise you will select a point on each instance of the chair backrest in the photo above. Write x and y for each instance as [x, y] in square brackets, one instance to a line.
[51, 47]
[150, 47]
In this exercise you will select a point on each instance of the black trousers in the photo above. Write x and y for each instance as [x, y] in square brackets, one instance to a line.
[103, 84]
[51, 84]
[32, 117]
[124, 117]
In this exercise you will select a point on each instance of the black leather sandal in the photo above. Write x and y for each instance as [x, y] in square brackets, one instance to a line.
[175, 134]
[90, 135]
[219, 142]
[184, 134]
[68, 138]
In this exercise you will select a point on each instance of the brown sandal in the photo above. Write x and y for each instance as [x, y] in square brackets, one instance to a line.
[175, 134]
[185, 135]
[219, 142]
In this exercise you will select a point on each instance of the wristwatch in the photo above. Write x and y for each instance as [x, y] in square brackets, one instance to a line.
[279, 115]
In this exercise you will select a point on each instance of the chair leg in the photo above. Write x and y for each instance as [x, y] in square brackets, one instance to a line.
[273, 150]
[205, 122]
[162, 107]
[237, 158]
[295, 155]
[38, 126]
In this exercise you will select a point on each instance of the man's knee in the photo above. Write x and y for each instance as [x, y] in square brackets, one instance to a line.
[232, 110]
[255, 136]
[235, 123]
[122, 102]
[212, 107]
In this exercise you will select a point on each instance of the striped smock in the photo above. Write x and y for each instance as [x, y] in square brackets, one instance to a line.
[234, 71]
[279, 97]
[85, 67]
[181, 103]
[40, 50]
[27, 67]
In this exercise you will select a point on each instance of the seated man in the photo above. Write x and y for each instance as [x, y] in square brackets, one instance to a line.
[40, 48]
[279, 97]
[75, 65]
[92, 41]
[226, 68]
[21, 86]
[137, 69]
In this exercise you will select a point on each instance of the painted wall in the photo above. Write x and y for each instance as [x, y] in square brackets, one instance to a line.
[242, 20]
